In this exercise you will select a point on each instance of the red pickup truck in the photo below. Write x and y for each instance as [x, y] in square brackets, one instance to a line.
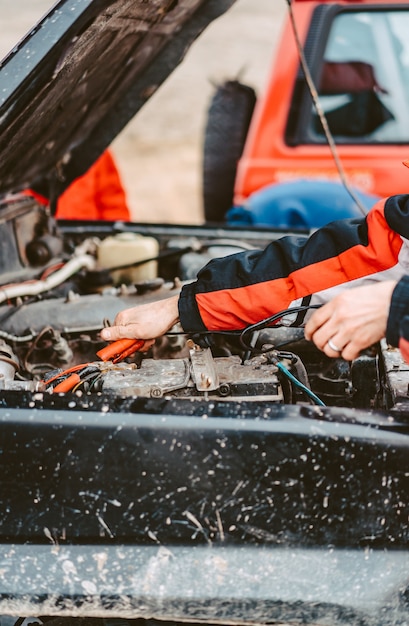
[357, 55]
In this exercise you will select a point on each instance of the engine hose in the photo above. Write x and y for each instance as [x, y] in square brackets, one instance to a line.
[15, 338]
[70, 268]
[8, 363]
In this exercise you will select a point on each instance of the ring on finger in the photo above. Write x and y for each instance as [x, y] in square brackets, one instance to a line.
[333, 347]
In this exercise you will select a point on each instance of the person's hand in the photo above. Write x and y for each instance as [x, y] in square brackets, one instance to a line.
[352, 321]
[147, 321]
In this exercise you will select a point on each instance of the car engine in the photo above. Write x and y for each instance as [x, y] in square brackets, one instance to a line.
[61, 283]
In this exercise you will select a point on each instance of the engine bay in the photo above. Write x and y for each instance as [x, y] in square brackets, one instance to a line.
[61, 283]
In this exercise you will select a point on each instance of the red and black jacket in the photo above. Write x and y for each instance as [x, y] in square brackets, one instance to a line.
[244, 288]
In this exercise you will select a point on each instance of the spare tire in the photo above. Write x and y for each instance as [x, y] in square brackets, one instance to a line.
[228, 121]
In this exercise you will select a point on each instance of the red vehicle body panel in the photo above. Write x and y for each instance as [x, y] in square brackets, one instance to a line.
[267, 158]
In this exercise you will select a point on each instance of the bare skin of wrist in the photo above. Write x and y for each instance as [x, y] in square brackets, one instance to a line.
[147, 321]
[352, 321]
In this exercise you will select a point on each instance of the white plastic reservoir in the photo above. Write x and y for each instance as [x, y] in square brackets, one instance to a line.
[125, 249]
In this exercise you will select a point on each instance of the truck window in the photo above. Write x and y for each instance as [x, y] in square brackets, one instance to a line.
[363, 79]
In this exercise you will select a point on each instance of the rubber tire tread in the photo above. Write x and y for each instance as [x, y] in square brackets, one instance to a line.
[228, 120]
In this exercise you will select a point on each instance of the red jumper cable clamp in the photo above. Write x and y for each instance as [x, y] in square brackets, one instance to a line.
[118, 350]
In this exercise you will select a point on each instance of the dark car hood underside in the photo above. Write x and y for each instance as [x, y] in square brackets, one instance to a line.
[81, 74]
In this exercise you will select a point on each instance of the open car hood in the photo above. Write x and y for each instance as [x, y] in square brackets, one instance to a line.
[80, 75]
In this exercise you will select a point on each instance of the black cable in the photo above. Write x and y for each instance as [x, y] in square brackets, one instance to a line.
[251, 328]
[270, 320]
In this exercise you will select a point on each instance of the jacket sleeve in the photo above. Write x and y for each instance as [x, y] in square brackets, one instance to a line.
[397, 331]
[244, 288]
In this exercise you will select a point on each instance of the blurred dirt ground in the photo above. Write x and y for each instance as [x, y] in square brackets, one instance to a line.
[159, 152]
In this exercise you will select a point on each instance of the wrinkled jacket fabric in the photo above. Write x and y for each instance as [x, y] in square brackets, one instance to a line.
[244, 288]
[97, 195]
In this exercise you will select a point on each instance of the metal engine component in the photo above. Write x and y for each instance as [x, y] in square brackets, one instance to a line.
[223, 377]
[154, 378]
[8, 364]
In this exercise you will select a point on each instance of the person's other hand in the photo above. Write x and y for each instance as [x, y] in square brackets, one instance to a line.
[147, 321]
[352, 321]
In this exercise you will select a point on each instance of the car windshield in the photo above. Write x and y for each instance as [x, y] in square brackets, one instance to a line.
[364, 87]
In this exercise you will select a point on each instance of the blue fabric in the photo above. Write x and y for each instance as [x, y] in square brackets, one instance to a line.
[301, 204]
